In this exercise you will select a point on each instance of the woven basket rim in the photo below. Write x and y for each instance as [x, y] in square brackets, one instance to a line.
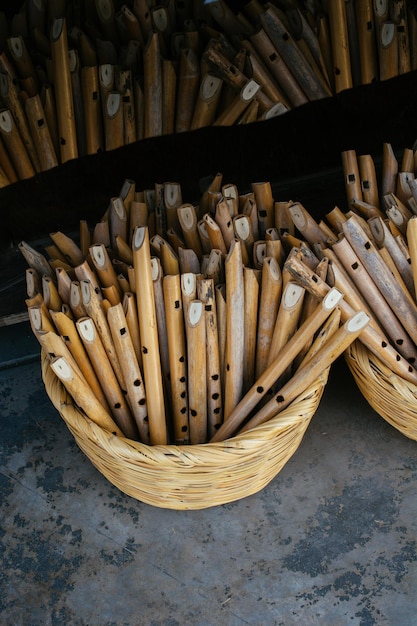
[390, 395]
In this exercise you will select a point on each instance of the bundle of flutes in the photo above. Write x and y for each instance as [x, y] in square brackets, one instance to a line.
[370, 254]
[172, 322]
[80, 78]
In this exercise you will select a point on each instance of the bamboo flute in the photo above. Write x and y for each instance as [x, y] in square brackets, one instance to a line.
[376, 302]
[207, 101]
[412, 247]
[75, 300]
[92, 108]
[84, 271]
[125, 88]
[63, 91]
[235, 315]
[177, 352]
[11, 137]
[265, 206]
[269, 299]
[399, 17]
[196, 371]
[234, 110]
[35, 259]
[169, 93]
[131, 371]
[188, 261]
[85, 238]
[152, 69]
[342, 71]
[12, 100]
[214, 234]
[370, 337]
[113, 121]
[305, 376]
[352, 177]
[157, 281]
[187, 89]
[384, 238]
[251, 282]
[149, 336]
[278, 68]
[114, 393]
[86, 400]
[365, 25]
[282, 39]
[68, 247]
[104, 268]
[283, 360]
[131, 313]
[118, 221]
[368, 179]
[388, 51]
[68, 331]
[389, 170]
[306, 224]
[188, 220]
[106, 82]
[288, 316]
[223, 219]
[206, 293]
[40, 133]
[39, 316]
[33, 282]
[382, 277]
[95, 310]
[243, 231]
[51, 296]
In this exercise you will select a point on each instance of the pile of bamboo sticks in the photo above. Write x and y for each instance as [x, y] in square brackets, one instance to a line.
[80, 78]
[177, 322]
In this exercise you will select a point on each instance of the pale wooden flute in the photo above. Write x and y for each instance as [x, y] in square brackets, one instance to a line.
[86, 400]
[365, 24]
[68, 247]
[235, 339]
[113, 121]
[104, 268]
[412, 247]
[152, 69]
[92, 107]
[68, 331]
[94, 309]
[177, 351]
[40, 133]
[289, 312]
[279, 365]
[196, 371]
[207, 101]
[149, 336]
[352, 177]
[388, 51]
[269, 299]
[315, 366]
[251, 282]
[205, 292]
[132, 374]
[63, 91]
[15, 146]
[188, 220]
[99, 358]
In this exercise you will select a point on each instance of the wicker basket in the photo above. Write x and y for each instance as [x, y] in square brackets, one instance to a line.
[392, 397]
[190, 477]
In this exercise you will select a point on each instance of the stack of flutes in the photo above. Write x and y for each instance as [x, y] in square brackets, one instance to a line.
[173, 322]
[371, 254]
[80, 78]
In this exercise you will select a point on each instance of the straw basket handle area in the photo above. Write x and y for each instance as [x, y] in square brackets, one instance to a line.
[189, 476]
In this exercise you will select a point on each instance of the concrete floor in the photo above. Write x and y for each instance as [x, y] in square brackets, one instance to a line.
[331, 540]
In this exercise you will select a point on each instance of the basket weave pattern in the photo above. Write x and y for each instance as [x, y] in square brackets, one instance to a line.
[392, 397]
[189, 477]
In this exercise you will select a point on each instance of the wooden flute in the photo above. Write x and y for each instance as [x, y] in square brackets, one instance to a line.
[149, 336]
[305, 375]
[283, 360]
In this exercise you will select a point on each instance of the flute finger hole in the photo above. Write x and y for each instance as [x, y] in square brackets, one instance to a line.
[137, 382]
[215, 396]
[279, 399]
[215, 377]
[184, 429]
[183, 410]
[260, 389]
[117, 405]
